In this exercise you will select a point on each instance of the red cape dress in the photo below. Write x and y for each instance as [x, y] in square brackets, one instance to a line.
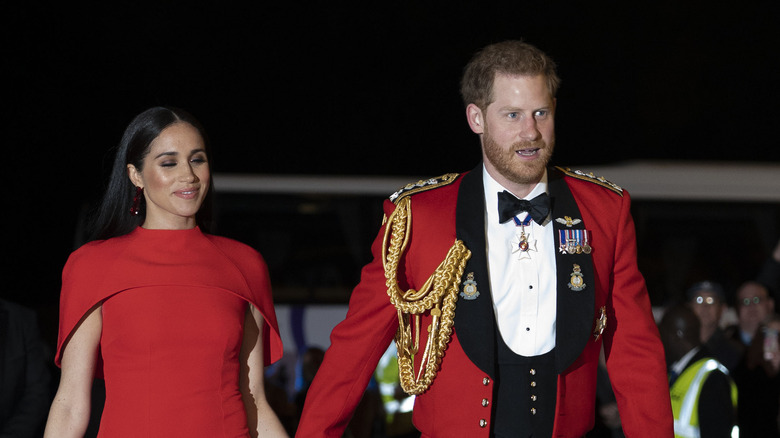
[173, 304]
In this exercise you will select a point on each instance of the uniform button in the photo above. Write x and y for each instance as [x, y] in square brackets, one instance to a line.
[532, 372]
[533, 384]
[485, 402]
[533, 411]
[482, 423]
[486, 381]
[533, 398]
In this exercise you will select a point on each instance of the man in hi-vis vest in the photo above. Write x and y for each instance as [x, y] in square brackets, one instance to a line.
[704, 398]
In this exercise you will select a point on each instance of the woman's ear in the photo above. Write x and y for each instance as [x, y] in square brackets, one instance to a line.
[135, 176]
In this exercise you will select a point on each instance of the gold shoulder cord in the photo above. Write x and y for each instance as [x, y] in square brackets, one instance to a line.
[438, 295]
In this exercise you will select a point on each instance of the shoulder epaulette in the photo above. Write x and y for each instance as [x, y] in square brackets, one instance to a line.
[600, 180]
[423, 185]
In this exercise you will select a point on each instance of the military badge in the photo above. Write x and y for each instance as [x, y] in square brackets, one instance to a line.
[577, 282]
[601, 323]
[568, 221]
[469, 291]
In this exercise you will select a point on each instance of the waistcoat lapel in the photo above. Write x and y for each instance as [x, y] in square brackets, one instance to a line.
[474, 320]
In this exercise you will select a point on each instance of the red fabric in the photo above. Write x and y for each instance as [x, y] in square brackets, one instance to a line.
[173, 304]
[452, 406]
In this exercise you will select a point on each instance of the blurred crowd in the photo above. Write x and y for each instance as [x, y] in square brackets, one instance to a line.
[723, 360]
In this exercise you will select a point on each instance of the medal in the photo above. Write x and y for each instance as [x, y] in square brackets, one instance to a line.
[521, 244]
[574, 242]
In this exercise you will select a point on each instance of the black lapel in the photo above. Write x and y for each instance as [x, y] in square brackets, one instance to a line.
[474, 318]
[574, 320]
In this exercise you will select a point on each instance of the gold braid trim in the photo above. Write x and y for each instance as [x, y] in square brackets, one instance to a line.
[438, 295]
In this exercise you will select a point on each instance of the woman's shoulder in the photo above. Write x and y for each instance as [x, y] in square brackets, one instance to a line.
[98, 249]
[238, 251]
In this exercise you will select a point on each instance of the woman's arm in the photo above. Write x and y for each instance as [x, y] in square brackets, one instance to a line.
[261, 418]
[69, 413]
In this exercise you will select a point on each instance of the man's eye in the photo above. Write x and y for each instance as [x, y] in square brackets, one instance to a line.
[541, 113]
[512, 115]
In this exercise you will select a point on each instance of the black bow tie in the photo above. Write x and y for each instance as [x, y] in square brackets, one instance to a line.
[509, 206]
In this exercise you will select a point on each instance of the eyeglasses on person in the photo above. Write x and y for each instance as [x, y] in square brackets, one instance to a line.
[753, 301]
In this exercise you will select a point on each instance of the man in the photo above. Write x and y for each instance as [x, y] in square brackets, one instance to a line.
[704, 399]
[707, 301]
[754, 307]
[500, 315]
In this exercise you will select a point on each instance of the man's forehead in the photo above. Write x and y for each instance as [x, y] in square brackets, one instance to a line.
[752, 291]
[707, 293]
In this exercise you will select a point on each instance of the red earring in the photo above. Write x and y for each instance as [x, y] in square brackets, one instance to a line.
[136, 208]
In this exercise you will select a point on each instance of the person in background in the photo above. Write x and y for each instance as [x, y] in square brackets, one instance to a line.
[754, 307]
[758, 381]
[25, 392]
[708, 301]
[769, 275]
[459, 261]
[704, 398]
[178, 322]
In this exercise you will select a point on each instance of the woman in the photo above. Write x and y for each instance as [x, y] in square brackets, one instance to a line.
[178, 322]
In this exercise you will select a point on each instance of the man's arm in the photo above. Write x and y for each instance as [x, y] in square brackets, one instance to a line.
[634, 354]
[357, 344]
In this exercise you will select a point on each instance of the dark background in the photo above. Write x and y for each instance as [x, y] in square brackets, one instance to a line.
[371, 89]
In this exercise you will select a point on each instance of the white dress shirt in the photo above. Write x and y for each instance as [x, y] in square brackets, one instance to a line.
[523, 284]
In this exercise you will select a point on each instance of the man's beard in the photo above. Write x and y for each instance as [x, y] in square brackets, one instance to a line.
[513, 169]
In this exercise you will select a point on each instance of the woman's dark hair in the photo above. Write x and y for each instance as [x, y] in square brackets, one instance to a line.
[113, 216]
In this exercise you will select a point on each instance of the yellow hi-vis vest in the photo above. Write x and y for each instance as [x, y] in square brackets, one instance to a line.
[685, 396]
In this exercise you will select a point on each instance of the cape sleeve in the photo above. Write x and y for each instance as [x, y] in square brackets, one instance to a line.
[258, 292]
[262, 298]
[79, 294]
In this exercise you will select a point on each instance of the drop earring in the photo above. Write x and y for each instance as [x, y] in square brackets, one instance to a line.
[136, 207]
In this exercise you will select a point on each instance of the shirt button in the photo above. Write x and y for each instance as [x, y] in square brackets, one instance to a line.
[532, 372]
[486, 381]
[533, 384]
[533, 398]
[485, 402]
[533, 411]
[482, 423]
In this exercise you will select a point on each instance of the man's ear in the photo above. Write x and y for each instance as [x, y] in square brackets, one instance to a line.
[135, 176]
[475, 118]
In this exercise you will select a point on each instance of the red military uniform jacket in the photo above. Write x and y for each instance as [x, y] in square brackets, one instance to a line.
[458, 403]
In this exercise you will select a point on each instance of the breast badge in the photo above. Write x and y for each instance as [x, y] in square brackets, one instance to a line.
[577, 282]
[470, 291]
